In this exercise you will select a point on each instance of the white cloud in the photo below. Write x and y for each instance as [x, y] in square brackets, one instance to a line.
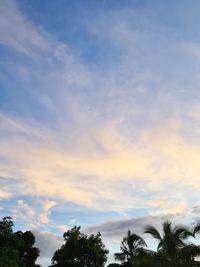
[109, 152]
[48, 243]
[17, 31]
[48, 204]
[155, 162]
[4, 194]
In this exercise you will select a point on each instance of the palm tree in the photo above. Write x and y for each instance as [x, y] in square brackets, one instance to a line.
[131, 246]
[194, 251]
[172, 249]
[196, 229]
[189, 255]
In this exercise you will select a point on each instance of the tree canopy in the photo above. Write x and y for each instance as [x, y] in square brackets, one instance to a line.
[131, 246]
[80, 250]
[173, 249]
[16, 248]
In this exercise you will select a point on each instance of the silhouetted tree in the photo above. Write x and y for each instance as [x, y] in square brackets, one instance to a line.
[131, 247]
[16, 248]
[80, 250]
[172, 249]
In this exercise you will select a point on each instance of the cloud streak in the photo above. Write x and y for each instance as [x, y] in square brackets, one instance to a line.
[116, 134]
[156, 160]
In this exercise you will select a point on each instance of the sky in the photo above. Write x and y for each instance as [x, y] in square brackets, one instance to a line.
[99, 116]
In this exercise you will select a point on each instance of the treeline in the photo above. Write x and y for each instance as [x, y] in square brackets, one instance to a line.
[175, 248]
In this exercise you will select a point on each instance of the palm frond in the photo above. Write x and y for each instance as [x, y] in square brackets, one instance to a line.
[131, 246]
[182, 232]
[119, 257]
[196, 229]
[153, 232]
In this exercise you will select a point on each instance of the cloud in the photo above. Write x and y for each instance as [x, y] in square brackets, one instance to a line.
[46, 211]
[118, 229]
[106, 139]
[115, 230]
[112, 234]
[48, 243]
[111, 129]
[153, 163]
[47, 205]
[33, 214]
[17, 31]
[4, 194]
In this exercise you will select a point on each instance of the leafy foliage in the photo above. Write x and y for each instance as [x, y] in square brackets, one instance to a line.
[131, 247]
[16, 248]
[172, 249]
[80, 250]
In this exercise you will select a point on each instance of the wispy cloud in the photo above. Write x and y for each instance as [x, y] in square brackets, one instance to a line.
[17, 31]
[155, 160]
[113, 134]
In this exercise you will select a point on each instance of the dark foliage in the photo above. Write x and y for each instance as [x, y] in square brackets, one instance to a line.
[16, 248]
[173, 248]
[80, 250]
[131, 247]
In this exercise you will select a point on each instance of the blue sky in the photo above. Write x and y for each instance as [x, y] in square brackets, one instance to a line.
[99, 115]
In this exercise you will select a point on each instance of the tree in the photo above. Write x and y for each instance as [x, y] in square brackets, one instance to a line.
[29, 254]
[9, 255]
[172, 249]
[80, 250]
[131, 247]
[16, 248]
